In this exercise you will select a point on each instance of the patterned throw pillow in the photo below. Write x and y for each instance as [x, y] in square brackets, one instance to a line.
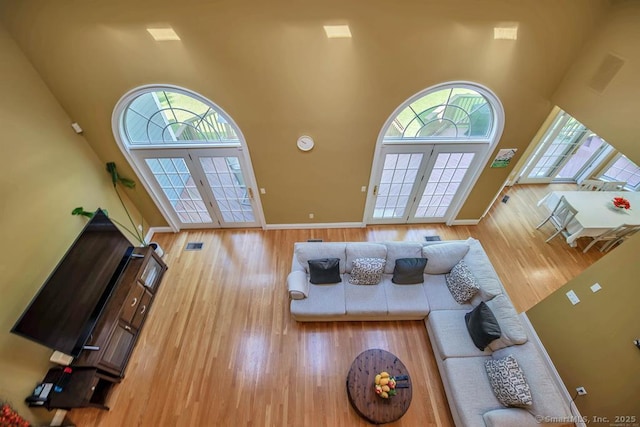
[367, 271]
[508, 381]
[462, 283]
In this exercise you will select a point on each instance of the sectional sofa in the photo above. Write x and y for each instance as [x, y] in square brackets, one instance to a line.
[469, 383]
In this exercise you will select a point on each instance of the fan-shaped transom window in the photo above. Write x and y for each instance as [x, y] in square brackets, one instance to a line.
[459, 113]
[162, 117]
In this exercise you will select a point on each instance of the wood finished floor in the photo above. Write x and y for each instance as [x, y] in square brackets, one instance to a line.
[220, 349]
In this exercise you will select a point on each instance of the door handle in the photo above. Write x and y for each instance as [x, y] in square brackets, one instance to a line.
[375, 190]
[250, 193]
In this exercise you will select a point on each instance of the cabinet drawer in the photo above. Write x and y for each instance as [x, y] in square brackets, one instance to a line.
[131, 304]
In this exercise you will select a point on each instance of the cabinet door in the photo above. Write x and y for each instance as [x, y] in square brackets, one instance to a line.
[152, 272]
[117, 353]
[131, 304]
[143, 307]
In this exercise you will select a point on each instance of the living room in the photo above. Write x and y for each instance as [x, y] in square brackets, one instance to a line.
[69, 63]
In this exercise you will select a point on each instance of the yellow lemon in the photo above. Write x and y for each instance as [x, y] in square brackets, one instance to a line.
[384, 374]
[378, 379]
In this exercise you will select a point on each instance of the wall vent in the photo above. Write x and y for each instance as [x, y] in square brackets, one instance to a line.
[607, 70]
[194, 246]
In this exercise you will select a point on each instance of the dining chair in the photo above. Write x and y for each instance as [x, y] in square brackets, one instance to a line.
[560, 217]
[613, 185]
[591, 185]
[614, 237]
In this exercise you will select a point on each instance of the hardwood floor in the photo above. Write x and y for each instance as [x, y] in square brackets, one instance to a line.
[220, 349]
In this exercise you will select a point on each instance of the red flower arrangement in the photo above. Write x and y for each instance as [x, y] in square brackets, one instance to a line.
[621, 202]
[10, 418]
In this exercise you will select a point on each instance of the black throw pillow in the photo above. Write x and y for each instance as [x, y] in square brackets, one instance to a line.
[324, 270]
[482, 325]
[409, 271]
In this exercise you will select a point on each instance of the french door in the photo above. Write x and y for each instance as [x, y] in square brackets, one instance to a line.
[201, 188]
[422, 183]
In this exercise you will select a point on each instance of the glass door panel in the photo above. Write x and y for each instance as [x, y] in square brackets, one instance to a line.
[447, 173]
[176, 182]
[224, 176]
[399, 173]
[588, 151]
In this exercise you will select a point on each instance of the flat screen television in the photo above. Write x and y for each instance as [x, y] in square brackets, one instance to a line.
[65, 310]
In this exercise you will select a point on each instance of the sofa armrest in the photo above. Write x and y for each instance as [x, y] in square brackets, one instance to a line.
[509, 417]
[298, 285]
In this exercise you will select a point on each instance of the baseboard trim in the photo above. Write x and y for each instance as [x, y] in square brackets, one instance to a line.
[465, 222]
[533, 336]
[154, 230]
[314, 225]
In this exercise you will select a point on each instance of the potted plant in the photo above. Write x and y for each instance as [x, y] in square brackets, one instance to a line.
[133, 231]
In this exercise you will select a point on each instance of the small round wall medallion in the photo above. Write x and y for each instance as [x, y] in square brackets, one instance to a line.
[305, 143]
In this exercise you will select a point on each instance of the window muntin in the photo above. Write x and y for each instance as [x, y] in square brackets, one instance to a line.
[458, 113]
[160, 117]
[623, 169]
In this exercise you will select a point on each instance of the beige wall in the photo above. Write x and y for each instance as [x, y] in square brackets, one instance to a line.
[612, 114]
[47, 171]
[591, 343]
[269, 65]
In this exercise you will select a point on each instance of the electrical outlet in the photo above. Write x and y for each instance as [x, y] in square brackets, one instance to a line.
[140, 227]
[573, 297]
[363, 189]
[311, 216]
[263, 191]
[581, 391]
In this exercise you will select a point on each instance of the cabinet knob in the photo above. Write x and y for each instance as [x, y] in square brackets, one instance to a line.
[135, 301]
[144, 308]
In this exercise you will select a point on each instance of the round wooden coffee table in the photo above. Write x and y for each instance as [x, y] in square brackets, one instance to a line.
[361, 391]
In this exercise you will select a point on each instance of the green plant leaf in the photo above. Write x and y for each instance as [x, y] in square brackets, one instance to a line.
[111, 168]
[81, 212]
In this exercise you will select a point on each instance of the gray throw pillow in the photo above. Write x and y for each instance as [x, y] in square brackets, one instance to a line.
[482, 326]
[462, 283]
[324, 270]
[444, 256]
[409, 271]
[367, 271]
[508, 381]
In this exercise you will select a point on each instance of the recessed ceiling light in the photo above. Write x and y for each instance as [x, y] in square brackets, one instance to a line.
[505, 32]
[163, 34]
[337, 31]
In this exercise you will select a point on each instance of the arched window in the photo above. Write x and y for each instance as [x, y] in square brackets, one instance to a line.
[430, 153]
[459, 113]
[171, 116]
[190, 155]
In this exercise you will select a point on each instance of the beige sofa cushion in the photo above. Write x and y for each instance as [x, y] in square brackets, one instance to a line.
[316, 250]
[442, 257]
[363, 250]
[511, 328]
[397, 250]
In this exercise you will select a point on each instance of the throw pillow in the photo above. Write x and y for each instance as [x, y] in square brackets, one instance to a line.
[409, 271]
[508, 381]
[324, 270]
[462, 283]
[482, 325]
[444, 256]
[367, 271]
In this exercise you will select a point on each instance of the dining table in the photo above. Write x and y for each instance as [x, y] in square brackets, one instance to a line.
[596, 212]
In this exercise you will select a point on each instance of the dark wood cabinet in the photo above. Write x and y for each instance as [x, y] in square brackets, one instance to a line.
[122, 319]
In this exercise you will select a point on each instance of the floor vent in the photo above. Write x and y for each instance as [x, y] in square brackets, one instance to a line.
[432, 238]
[194, 246]
[314, 240]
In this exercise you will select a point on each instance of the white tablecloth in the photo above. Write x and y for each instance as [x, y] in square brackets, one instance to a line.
[596, 213]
